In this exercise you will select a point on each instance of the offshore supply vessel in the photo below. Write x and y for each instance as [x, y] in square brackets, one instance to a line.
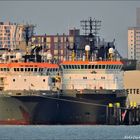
[73, 91]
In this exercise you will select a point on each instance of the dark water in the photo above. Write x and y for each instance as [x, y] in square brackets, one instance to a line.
[68, 132]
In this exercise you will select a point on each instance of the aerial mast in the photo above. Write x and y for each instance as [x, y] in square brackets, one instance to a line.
[91, 28]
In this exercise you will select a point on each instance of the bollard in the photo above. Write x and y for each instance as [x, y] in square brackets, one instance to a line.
[134, 113]
[117, 113]
[110, 114]
[138, 114]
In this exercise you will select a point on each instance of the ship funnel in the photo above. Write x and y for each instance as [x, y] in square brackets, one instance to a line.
[87, 49]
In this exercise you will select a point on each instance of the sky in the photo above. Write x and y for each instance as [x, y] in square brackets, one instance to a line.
[52, 17]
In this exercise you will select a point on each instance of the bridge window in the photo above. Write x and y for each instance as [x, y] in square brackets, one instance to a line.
[78, 66]
[92, 66]
[115, 66]
[64, 66]
[82, 66]
[22, 69]
[89, 67]
[86, 66]
[120, 66]
[72, 66]
[67, 67]
[99, 66]
[103, 66]
[96, 66]
[75, 66]
[35, 69]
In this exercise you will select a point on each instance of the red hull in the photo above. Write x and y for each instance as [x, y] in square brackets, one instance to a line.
[14, 122]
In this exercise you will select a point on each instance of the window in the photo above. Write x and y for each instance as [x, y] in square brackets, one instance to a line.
[35, 69]
[103, 66]
[43, 80]
[82, 66]
[84, 77]
[67, 67]
[99, 66]
[89, 67]
[72, 66]
[14, 80]
[64, 66]
[92, 66]
[96, 66]
[103, 78]
[78, 66]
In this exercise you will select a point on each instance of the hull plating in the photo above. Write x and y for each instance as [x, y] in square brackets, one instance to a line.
[69, 110]
[12, 111]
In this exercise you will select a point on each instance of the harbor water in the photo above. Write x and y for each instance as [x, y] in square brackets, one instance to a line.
[68, 132]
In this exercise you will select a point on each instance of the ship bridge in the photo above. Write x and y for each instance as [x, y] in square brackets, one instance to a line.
[92, 75]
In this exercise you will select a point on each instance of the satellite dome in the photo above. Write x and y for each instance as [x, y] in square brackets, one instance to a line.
[4, 56]
[45, 54]
[111, 50]
[18, 55]
[49, 56]
[87, 48]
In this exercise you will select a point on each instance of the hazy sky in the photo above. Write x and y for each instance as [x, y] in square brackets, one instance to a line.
[59, 16]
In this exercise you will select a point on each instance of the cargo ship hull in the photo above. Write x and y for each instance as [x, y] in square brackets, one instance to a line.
[66, 109]
[13, 112]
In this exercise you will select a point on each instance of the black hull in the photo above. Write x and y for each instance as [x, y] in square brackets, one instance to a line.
[59, 109]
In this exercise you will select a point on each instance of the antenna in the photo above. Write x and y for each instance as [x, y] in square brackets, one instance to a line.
[91, 26]
[84, 26]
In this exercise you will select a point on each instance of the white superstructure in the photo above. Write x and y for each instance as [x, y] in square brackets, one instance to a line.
[16, 74]
[92, 75]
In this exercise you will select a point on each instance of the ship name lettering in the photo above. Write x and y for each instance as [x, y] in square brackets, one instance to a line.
[133, 91]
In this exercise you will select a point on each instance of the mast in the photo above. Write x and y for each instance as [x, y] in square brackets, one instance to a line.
[91, 26]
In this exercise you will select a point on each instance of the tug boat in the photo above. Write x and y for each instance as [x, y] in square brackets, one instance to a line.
[74, 91]
[24, 82]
